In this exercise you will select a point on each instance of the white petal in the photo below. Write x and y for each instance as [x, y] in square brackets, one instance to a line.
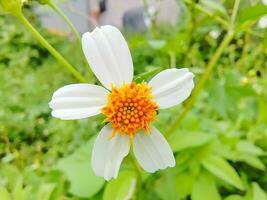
[108, 153]
[78, 101]
[153, 151]
[108, 55]
[172, 86]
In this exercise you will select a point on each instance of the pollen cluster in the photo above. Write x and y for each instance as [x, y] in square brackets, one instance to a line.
[130, 108]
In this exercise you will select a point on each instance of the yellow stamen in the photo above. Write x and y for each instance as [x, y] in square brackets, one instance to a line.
[130, 109]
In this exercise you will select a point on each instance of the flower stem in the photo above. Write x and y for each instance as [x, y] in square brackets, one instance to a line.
[65, 18]
[200, 8]
[74, 30]
[51, 49]
[201, 83]
[138, 173]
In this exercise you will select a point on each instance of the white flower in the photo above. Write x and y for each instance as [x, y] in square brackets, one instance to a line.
[129, 107]
[263, 22]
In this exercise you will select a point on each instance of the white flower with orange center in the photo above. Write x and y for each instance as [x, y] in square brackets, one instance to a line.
[129, 107]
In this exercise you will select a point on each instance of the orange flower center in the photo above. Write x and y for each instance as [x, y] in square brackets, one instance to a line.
[130, 108]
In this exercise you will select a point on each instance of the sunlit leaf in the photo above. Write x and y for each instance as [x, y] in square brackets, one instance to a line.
[77, 167]
[45, 191]
[4, 194]
[222, 169]
[146, 75]
[157, 44]
[252, 13]
[18, 192]
[184, 184]
[248, 147]
[258, 192]
[167, 186]
[183, 141]
[234, 197]
[205, 188]
[252, 161]
[121, 188]
[214, 6]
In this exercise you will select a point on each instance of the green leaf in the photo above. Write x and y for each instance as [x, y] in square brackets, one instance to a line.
[157, 44]
[205, 188]
[234, 197]
[4, 194]
[252, 161]
[184, 184]
[146, 75]
[77, 168]
[183, 141]
[18, 192]
[11, 173]
[252, 13]
[222, 169]
[258, 193]
[167, 187]
[248, 147]
[121, 188]
[215, 6]
[45, 191]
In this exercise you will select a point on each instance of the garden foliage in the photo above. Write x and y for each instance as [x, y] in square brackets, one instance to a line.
[220, 146]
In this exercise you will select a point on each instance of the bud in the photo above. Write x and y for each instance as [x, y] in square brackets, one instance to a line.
[12, 6]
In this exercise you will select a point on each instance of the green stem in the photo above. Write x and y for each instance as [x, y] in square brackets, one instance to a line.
[201, 82]
[74, 30]
[66, 19]
[234, 14]
[201, 9]
[138, 173]
[51, 49]
[199, 86]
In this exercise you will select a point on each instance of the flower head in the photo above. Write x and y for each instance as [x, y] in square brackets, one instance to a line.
[129, 107]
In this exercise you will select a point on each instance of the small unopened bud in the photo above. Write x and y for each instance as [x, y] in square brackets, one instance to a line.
[12, 6]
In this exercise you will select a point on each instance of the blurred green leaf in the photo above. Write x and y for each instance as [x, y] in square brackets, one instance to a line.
[234, 197]
[157, 44]
[222, 169]
[4, 194]
[121, 188]
[252, 161]
[258, 192]
[45, 191]
[146, 75]
[252, 13]
[184, 184]
[205, 188]
[214, 6]
[181, 141]
[18, 192]
[248, 147]
[77, 167]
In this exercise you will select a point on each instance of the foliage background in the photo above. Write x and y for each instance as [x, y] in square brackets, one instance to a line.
[220, 146]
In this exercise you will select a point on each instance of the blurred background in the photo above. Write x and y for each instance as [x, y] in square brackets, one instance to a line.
[220, 143]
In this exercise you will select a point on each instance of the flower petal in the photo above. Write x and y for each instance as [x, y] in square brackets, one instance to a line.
[172, 86]
[108, 55]
[78, 101]
[108, 153]
[153, 151]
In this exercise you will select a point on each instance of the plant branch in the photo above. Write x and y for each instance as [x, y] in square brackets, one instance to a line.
[201, 9]
[51, 49]
[200, 84]
[74, 30]
[65, 18]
